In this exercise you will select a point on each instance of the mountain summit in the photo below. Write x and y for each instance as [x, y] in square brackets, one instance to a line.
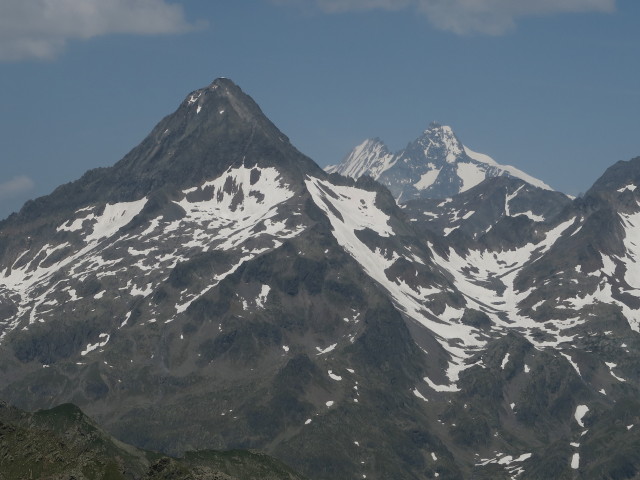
[214, 128]
[435, 165]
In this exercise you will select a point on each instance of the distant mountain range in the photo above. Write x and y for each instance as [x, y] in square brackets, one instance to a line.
[216, 289]
[435, 165]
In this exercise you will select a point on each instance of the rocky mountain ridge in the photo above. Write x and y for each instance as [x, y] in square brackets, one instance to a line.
[216, 289]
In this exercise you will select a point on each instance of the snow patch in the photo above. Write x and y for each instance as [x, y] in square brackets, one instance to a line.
[630, 188]
[505, 360]
[611, 366]
[114, 218]
[531, 215]
[427, 179]
[93, 346]
[581, 411]
[419, 395]
[126, 319]
[470, 174]
[575, 461]
[441, 388]
[573, 364]
[330, 348]
[262, 297]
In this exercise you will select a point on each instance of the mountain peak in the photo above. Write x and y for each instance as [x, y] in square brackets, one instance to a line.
[370, 158]
[435, 126]
[224, 85]
[223, 81]
[222, 96]
[373, 143]
[622, 175]
[213, 129]
[227, 87]
[439, 140]
[435, 165]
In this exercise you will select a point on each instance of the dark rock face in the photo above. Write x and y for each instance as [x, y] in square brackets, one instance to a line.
[216, 289]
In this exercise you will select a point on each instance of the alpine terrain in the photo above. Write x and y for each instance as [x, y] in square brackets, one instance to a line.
[62, 443]
[216, 289]
[435, 165]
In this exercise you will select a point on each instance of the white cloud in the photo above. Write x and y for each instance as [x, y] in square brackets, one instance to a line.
[16, 187]
[41, 28]
[493, 17]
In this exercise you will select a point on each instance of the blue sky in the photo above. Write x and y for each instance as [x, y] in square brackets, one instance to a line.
[552, 86]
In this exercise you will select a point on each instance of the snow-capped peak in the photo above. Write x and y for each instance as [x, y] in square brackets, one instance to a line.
[371, 157]
[435, 165]
[443, 138]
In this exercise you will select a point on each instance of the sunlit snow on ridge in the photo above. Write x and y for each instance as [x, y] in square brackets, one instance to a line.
[370, 157]
[232, 222]
[513, 171]
[502, 267]
[226, 222]
[358, 211]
